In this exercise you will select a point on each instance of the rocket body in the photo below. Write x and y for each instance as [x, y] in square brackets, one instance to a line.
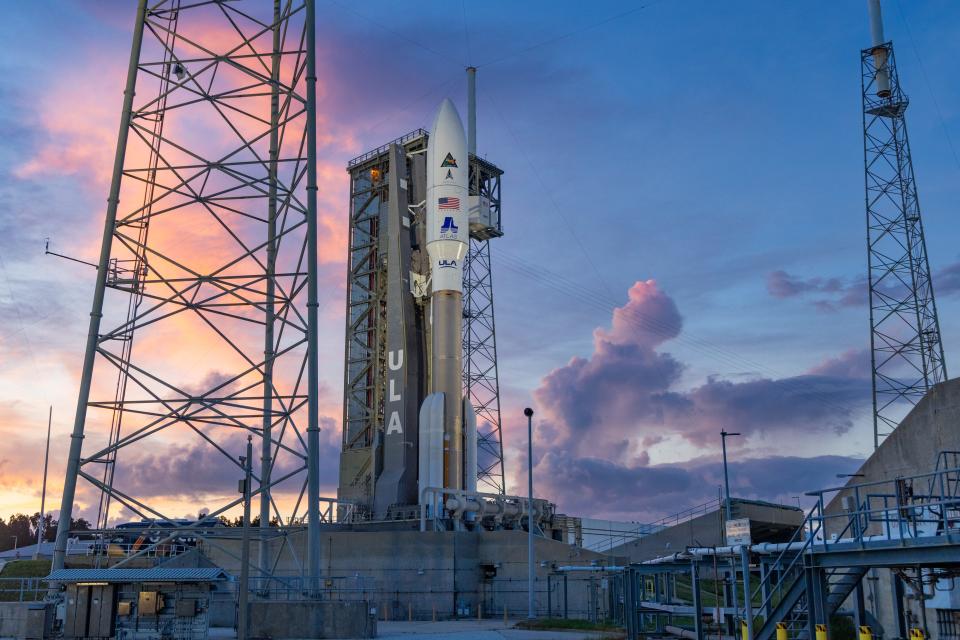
[447, 202]
[447, 235]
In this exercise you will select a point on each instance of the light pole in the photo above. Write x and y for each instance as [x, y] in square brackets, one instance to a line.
[728, 515]
[41, 522]
[529, 413]
[726, 477]
[243, 596]
[14, 542]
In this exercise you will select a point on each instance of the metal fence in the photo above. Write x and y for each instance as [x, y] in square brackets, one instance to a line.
[22, 589]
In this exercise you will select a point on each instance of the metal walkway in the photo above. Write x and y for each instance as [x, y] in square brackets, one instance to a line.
[907, 524]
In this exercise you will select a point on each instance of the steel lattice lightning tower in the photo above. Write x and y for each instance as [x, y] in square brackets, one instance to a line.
[906, 348]
[203, 329]
[480, 377]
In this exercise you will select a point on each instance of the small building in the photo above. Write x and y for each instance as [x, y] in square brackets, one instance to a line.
[156, 602]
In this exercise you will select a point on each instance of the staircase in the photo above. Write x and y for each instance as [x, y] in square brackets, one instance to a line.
[787, 596]
[842, 582]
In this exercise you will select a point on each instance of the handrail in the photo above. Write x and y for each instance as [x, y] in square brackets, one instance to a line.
[373, 153]
[900, 513]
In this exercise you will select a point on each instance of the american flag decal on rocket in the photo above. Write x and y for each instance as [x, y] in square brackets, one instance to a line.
[448, 203]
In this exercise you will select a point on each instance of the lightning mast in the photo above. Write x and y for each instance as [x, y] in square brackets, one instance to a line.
[209, 259]
[481, 381]
[905, 342]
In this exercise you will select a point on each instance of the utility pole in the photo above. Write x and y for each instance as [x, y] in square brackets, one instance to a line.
[41, 522]
[728, 511]
[728, 516]
[529, 413]
[243, 596]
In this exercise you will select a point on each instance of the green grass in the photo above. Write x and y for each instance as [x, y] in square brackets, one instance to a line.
[10, 589]
[26, 569]
[543, 624]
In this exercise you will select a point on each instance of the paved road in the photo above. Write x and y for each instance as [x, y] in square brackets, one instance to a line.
[472, 630]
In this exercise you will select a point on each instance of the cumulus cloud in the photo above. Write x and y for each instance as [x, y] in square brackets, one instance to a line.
[833, 293]
[647, 493]
[830, 293]
[595, 403]
[193, 468]
[626, 390]
[601, 414]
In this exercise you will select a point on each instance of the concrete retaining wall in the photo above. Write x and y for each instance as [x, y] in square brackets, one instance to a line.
[24, 620]
[280, 619]
[419, 573]
[912, 449]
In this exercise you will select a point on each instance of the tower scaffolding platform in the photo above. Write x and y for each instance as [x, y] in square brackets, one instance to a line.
[909, 525]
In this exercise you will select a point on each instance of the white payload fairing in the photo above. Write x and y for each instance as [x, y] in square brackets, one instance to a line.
[447, 423]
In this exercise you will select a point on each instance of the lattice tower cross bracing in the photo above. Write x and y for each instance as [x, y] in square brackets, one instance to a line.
[906, 347]
[203, 329]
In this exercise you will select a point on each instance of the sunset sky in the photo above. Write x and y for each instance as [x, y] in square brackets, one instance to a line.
[693, 164]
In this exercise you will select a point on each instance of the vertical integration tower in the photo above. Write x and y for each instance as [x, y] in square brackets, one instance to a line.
[906, 348]
[388, 332]
[203, 329]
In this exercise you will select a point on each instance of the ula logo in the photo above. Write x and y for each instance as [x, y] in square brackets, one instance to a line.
[448, 228]
[448, 264]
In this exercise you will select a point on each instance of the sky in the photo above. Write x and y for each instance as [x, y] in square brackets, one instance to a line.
[683, 212]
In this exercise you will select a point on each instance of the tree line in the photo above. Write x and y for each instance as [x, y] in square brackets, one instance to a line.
[20, 530]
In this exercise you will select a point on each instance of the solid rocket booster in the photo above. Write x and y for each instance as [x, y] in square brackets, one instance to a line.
[447, 231]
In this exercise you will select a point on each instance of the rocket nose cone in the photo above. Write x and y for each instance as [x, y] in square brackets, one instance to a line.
[447, 115]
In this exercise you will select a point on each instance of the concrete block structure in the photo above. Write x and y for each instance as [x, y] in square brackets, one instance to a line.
[926, 439]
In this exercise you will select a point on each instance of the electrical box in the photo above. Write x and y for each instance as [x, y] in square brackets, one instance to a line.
[149, 603]
[185, 608]
[482, 216]
[90, 611]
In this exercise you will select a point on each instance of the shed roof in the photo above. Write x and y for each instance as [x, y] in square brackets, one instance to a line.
[155, 574]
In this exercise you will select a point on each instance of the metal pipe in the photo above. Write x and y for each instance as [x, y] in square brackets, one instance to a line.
[41, 522]
[266, 441]
[244, 587]
[747, 593]
[472, 110]
[734, 550]
[96, 311]
[313, 359]
[879, 50]
[529, 413]
[876, 23]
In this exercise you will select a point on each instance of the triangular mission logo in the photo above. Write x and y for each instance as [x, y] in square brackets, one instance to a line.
[449, 161]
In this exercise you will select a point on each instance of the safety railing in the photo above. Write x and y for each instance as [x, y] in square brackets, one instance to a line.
[127, 549]
[22, 589]
[918, 506]
[623, 536]
[416, 133]
[870, 513]
[345, 588]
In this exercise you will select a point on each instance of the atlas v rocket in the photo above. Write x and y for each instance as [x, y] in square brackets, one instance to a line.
[447, 430]
[410, 436]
